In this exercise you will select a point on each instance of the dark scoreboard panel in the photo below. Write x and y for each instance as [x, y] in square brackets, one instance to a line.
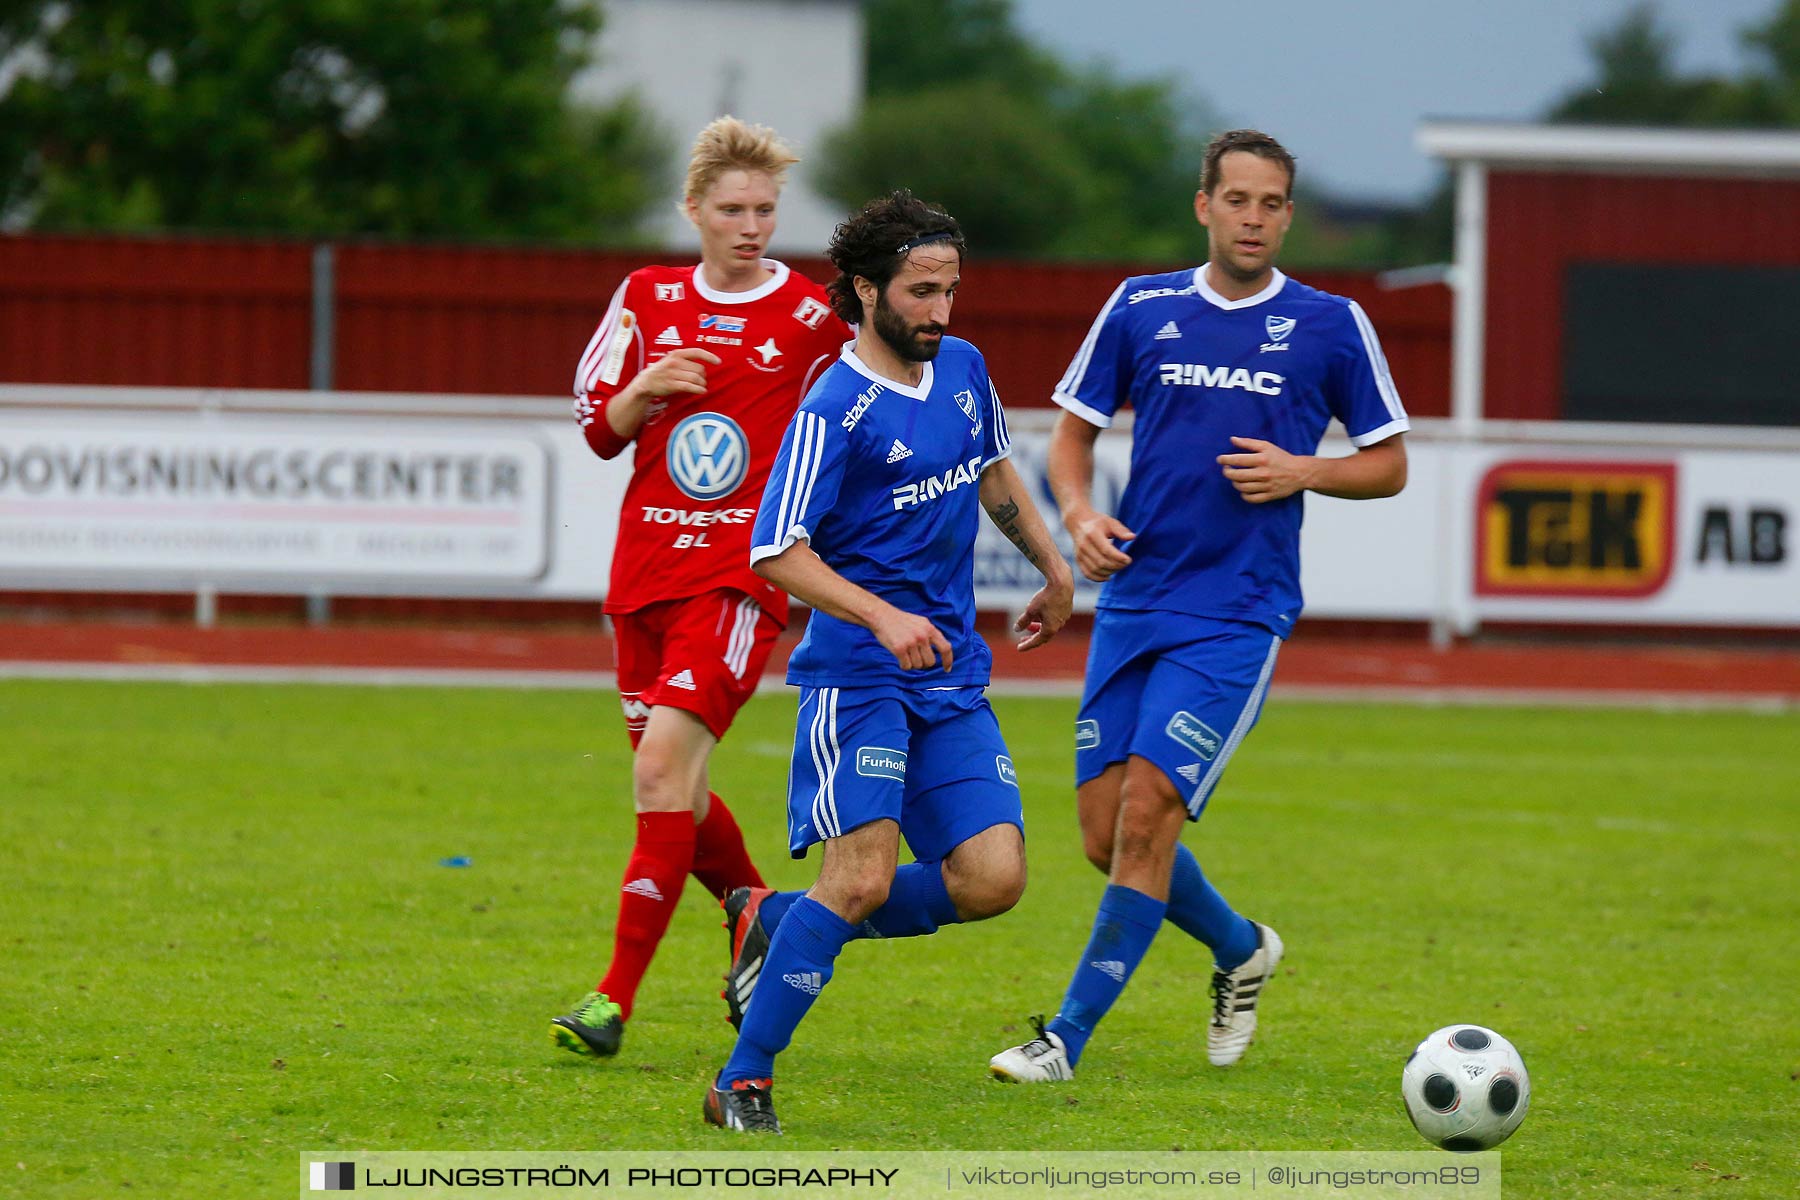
[1683, 344]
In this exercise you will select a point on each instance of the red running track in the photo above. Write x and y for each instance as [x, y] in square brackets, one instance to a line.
[1625, 672]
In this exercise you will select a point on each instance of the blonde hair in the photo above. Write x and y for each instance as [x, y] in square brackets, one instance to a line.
[729, 144]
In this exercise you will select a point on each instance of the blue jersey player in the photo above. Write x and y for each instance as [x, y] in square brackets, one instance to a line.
[870, 517]
[1234, 371]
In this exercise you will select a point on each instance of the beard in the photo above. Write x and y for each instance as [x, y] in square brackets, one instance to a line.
[903, 339]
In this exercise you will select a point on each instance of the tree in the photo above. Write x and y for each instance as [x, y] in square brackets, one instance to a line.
[1033, 156]
[1635, 81]
[323, 117]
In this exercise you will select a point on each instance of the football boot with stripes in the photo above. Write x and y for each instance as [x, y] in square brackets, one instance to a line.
[1234, 997]
[746, 1105]
[749, 946]
[1041, 1060]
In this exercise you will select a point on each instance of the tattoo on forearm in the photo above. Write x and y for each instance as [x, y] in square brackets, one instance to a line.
[1006, 516]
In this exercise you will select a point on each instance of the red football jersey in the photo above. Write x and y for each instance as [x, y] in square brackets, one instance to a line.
[702, 460]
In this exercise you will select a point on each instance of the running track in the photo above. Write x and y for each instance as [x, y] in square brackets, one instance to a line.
[1318, 666]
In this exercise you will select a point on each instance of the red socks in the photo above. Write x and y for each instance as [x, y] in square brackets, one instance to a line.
[720, 861]
[659, 866]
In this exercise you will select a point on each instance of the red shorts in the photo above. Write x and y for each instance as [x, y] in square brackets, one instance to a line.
[703, 654]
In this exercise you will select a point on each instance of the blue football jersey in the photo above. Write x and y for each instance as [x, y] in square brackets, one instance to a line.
[883, 479]
[1200, 369]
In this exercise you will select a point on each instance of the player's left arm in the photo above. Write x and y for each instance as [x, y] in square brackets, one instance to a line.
[1262, 471]
[1009, 505]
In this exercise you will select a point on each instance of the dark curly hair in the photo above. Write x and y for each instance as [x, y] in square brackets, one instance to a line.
[1250, 141]
[875, 242]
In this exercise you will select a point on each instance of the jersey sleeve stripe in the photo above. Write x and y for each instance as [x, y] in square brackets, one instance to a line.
[1384, 379]
[1071, 380]
[815, 459]
[586, 375]
[1092, 416]
[1002, 436]
[1381, 434]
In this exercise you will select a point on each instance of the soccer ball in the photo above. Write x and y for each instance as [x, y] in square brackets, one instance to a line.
[1465, 1088]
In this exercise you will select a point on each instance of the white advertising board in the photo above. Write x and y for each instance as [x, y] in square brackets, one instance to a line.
[183, 497]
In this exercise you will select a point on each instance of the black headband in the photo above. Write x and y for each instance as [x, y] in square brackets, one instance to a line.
[941, 235]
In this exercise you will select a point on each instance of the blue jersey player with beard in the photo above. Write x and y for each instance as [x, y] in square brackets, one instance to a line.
[1234, 371]
[870, 517]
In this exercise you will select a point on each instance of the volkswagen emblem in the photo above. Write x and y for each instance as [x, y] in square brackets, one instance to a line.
[708, 456]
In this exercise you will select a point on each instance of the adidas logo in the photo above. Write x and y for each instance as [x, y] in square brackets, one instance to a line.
[1112, 968]
[672, 337]
[646, 888]
[684, 681]
[1167, 332]
[899, 451]
[1191, 772]
[810, 982]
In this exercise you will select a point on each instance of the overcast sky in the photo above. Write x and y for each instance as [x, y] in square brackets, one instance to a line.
[1344, 83]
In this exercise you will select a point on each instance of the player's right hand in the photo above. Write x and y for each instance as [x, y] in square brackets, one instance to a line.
[915, 643]
[682, 370]
[1095, 553]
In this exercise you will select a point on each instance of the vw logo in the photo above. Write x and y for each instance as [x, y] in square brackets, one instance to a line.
[708, 456]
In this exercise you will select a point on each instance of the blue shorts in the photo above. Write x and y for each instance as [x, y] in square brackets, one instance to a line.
[1177, 690]
[932, 760]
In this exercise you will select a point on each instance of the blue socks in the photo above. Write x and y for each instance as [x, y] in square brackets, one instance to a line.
[801, 956]
[1197, 909]
[803, 951]
[917, 904]
[1123, 929]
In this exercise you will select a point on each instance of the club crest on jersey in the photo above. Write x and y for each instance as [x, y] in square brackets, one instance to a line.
[671, 292]
[708, 456]
[721, 324]
[965, 400]
[811, 313]
[1278, 329]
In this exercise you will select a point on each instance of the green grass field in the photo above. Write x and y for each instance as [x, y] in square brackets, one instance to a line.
[228, 938]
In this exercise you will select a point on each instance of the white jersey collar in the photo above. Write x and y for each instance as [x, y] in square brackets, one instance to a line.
[848, 354]
[768, 287]
[1277, 281]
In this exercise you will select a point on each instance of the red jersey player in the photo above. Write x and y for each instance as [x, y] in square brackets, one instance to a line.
[702, 367]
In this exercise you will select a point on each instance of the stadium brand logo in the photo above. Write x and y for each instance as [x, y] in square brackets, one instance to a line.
[1087, 735]
[909, 494]
[1267, 383]
[810, 313]
[879, 762]
[1004, 767]
[1158, 293]
[860, 407]
[708, 456]
[722, 324]
[673, 292]
[810, 982]
[1578, 529]
[333, 1176]
[1195, 734]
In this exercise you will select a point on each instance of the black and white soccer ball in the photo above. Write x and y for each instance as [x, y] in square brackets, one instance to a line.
[1465, 1088]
